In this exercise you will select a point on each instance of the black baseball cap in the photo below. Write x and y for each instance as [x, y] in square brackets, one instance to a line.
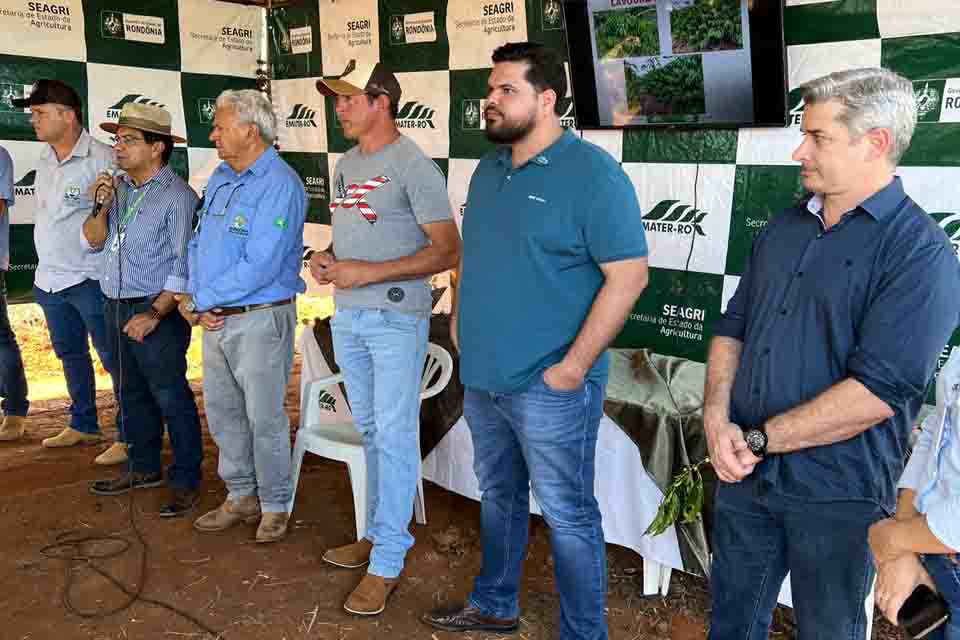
[374, 79]
[50, 92]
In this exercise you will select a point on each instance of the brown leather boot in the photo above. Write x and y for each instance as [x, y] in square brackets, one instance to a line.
[370, 596]
[116, 454]
[70, 437]
[350, 556]
[12, 428]
[273, 527]
[246, 510]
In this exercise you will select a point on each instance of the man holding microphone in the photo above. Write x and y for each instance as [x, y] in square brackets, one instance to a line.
[142, 237]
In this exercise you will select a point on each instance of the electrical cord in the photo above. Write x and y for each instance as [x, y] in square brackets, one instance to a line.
[79, 549]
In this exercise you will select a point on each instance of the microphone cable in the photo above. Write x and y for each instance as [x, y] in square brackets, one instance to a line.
[80, 549]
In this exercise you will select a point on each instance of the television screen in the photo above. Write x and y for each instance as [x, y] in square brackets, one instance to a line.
[677, 62]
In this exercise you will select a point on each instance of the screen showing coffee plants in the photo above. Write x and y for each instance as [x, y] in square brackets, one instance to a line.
[673, 61]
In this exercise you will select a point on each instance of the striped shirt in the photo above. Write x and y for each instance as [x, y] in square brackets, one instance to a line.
[150, 254]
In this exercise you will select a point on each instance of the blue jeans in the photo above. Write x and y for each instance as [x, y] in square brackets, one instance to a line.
[73, 314]
[946, 575]
[13, 380]
[381, 354]
[154, 390]
[547, 439]
[760, 534]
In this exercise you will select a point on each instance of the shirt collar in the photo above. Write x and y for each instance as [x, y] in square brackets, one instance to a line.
[80, 150]
[258, 168]
[879, 205]
[163, 177]
[542, 159]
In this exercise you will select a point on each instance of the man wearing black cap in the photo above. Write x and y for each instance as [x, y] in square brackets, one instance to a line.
[65, 284]
[392, 230]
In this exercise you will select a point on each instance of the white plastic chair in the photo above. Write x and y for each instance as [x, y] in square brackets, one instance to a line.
[341, 441]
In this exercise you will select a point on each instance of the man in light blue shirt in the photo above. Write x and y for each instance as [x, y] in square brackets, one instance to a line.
[244, 269]
[921, 542]
[13, 381]
[65, 284]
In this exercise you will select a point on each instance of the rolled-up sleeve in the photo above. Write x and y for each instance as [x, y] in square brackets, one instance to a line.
[943, 519]
[916, 303]
[179, 221]
[7, 190]
[913, 474]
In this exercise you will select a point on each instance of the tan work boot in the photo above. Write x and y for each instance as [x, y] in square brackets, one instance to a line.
[370, 596]
[350, 556]
[70, 437]
[116, 454]
[246, 510]
[12, 428]
[273, 527]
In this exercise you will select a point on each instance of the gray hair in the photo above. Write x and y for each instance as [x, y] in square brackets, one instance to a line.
[873, 99]
[251, 107]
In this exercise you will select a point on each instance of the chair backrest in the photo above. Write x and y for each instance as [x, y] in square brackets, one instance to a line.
[438, 365]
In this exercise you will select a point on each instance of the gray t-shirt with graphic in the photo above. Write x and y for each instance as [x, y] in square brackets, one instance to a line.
[377, 204]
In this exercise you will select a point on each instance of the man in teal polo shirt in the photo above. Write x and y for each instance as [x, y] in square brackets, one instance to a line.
[554, 258]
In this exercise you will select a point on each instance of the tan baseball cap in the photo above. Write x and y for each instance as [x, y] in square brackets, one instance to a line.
[145, 117]
[357, 79]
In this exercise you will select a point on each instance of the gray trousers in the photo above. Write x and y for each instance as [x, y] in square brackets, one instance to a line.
[246, 367]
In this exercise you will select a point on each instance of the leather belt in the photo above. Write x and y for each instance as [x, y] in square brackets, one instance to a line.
[131, 300]
[232, 311]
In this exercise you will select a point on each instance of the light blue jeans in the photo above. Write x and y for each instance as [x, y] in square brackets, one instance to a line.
[381, 355]
[246, 367]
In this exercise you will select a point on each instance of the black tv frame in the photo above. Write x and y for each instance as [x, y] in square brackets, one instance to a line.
[768, 57]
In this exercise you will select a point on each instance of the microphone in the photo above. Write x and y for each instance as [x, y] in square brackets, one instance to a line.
[111, 170]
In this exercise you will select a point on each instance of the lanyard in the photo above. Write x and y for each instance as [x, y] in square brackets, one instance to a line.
[132, 211]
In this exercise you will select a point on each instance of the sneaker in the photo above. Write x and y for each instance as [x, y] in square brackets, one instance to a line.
[70, 437]
[350, 556]
[126, 481]
[370, 596]
[115, 454]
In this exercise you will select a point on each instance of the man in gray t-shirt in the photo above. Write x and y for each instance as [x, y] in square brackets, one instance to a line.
[392, 230]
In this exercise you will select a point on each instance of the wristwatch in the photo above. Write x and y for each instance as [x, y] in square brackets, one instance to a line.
[190, 305]
[756, 441]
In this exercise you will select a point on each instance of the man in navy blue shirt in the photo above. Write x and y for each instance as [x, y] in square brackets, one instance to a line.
[818, 367]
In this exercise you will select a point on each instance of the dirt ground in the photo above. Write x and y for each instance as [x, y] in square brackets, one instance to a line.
[277, 592]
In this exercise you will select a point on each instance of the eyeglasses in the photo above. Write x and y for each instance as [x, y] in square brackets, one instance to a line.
[127, 141]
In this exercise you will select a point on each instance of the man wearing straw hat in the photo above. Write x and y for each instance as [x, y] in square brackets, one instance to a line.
[141, 229]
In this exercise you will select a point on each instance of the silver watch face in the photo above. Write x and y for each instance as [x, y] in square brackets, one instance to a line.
[191, 306]
[756, 441]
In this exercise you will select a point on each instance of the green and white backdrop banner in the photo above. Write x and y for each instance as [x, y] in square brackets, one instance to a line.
[704, 194]
[176, 53]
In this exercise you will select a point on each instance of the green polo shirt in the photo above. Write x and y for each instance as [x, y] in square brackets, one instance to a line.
[534, 238]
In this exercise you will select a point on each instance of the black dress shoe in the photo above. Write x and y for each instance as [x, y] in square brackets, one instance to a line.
[467, 618]
[181, 501]
[126, 481]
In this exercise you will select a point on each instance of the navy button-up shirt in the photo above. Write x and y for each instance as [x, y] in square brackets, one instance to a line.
[874, 298]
